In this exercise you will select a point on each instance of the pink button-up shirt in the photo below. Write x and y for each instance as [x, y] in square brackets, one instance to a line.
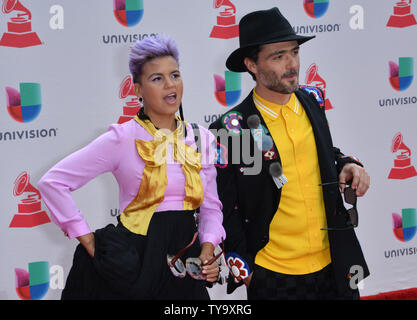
[115, 151]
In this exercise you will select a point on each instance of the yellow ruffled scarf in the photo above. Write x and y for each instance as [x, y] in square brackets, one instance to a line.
[138, 214]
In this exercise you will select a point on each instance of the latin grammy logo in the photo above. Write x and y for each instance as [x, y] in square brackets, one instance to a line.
[30, 213]
[131, 107]
[402, 16]
[226, 27]
[402, 164]
[19, 30]
[313, 79]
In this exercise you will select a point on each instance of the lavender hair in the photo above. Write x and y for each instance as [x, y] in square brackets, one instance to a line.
[148, 49]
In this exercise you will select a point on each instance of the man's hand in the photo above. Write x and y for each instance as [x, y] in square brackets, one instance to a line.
[358, 175]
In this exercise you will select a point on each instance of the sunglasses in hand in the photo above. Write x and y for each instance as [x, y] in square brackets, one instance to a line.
[350, 197]
[193, 266]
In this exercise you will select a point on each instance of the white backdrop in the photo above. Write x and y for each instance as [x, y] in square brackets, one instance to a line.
[67, 62]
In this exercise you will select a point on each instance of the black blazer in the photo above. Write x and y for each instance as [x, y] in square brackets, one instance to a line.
[251, 201]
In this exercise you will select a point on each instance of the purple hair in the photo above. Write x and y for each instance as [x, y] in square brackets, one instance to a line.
[150, 48]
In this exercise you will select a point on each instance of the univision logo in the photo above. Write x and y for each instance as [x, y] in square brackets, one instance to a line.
[405, 226]
[24, 106]
[316, 8]
[32, 285]
[35, 283]
[128, 12]
[401, 74]
[404, 229]
[227, 89]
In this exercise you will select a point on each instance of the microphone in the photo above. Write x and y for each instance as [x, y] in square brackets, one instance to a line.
[259, 133]
[254, 121]
[275, 170]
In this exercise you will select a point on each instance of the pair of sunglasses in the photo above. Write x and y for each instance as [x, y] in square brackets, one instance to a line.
[350, 197]
[192, 266]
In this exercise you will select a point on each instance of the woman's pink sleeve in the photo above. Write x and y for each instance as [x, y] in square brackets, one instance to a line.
[72, 173]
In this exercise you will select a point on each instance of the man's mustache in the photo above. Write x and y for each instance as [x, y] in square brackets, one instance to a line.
[290, 73]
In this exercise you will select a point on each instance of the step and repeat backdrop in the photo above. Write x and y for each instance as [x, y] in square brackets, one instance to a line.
[64, 79]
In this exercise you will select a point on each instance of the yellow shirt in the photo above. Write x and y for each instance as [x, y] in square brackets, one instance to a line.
[296, 243]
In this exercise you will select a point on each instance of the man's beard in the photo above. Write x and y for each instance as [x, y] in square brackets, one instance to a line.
[270, 80]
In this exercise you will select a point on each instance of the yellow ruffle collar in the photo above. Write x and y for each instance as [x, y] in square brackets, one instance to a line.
[137, 215]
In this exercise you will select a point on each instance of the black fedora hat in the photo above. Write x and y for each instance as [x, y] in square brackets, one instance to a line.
[261, 27]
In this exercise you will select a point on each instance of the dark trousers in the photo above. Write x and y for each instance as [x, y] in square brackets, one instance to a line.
[270, 285]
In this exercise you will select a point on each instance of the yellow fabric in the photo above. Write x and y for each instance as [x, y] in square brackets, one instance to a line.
[138, 213]
[296, 243]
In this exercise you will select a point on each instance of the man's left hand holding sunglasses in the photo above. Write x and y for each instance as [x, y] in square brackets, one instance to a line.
[211, 271]
[359, 177]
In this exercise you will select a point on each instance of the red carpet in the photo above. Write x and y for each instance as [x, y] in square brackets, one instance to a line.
[405, 294]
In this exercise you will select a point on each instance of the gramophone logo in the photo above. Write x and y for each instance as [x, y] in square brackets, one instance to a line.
[24, 106]
[402, 163]
[128, 12]
[226, 27]
[19, 32]
[29, 208]
[316, 8]
[402, 16]
[401, 75]
[227, 89]
[132, 105]
[32, 284]
[405, 225]
[313, 79]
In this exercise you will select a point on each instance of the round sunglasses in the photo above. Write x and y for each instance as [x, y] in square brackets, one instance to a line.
[193, 265]
[349, 194]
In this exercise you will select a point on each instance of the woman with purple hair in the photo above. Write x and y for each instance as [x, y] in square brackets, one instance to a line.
[171, 219]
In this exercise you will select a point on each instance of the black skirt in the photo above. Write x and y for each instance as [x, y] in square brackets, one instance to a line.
[131, 266]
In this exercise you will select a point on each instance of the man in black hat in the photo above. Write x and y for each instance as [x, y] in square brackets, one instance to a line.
[289, 235]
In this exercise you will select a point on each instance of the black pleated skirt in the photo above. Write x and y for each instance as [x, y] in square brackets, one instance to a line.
[131, 266]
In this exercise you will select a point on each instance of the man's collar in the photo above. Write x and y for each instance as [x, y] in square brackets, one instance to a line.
[271, 109]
